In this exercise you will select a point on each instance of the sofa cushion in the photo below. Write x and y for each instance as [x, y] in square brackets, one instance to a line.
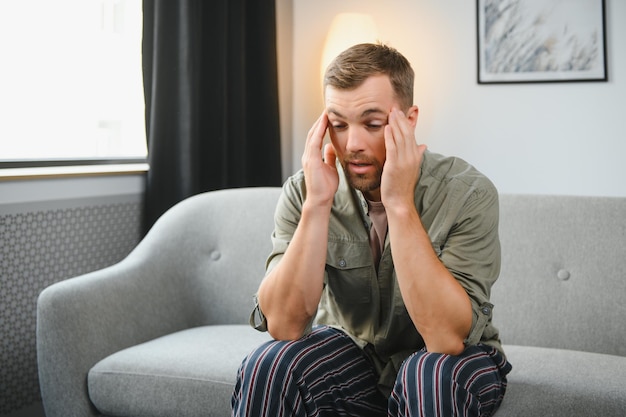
[188, 373]
[193, 372]
[558, 382]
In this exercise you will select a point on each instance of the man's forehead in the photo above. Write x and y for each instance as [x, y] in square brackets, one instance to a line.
[373, 97]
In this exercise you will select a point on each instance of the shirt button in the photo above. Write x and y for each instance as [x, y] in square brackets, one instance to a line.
[342, 263]
[486, 311]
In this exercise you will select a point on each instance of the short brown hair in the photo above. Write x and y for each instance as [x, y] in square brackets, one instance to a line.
[359, 62]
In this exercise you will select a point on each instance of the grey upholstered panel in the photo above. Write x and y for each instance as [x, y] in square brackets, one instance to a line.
[200, 264]
[186, 374]
[559, 382]
[212, 247]
[40, 244]
[192, 373]
[563, 263]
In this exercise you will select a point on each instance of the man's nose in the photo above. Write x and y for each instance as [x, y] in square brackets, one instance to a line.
[355, 140]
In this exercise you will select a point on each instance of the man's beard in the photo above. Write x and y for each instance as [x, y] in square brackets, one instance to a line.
[362, 182]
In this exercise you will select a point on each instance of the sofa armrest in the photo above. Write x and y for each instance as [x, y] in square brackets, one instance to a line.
[200, 264]
[84, 319]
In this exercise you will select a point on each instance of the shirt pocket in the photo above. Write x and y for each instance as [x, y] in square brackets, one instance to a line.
[349, 269]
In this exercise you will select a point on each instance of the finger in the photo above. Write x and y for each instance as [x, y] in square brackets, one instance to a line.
[315, 137]
[318, 131]
[401, 129]
[330, 156]
[314, 126]
[390, 143]
[405, 131]
[395, 131]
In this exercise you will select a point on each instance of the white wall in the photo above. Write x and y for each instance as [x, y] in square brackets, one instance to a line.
[560, 138]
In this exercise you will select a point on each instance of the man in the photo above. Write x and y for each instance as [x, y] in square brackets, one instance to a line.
[377, 288]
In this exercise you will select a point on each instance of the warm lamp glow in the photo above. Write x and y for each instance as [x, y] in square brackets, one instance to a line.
[347, 29]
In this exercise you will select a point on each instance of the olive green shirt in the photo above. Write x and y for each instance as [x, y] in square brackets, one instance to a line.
[458, 207]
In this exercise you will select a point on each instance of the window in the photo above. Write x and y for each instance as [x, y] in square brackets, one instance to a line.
[71, 81]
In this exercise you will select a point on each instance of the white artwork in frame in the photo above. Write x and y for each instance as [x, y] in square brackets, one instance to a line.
[541, 41]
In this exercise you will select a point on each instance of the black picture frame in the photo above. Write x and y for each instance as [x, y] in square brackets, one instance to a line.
[539, 41]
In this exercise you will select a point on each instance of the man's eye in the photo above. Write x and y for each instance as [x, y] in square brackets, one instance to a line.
[339, 126]
[373, 126]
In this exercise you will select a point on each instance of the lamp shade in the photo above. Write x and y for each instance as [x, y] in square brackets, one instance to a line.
[347, 29]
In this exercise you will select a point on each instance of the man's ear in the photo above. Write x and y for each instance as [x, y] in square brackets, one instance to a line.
[411, 114]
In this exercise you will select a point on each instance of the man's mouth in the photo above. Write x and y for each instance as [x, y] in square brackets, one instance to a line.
[360, 167]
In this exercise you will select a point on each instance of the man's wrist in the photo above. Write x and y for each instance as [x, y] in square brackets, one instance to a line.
[402, 210]
[316, 207]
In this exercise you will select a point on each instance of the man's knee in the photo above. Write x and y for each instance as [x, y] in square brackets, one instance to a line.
[433, 382]
[281, 359]
[269, 360]
[425, 368]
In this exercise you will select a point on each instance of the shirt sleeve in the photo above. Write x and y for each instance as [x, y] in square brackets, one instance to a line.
[471, 253]
[286, 218]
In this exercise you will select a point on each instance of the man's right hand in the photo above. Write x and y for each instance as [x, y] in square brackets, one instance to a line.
[320, 173]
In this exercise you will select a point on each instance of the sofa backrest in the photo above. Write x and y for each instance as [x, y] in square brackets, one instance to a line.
[562, 283]
[213, 247]
[563, 277]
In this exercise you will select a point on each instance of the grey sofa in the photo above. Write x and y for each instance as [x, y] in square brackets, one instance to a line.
[162, 333]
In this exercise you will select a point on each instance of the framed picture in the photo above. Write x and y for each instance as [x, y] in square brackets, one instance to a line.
[531, 41]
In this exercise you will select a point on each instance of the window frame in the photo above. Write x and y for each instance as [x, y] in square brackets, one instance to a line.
[21, 164]
[63, 168]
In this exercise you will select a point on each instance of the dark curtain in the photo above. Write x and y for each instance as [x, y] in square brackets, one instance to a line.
[211, 93]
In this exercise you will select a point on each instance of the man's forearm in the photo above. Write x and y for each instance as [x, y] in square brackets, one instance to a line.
[437, 304]
[290, 293]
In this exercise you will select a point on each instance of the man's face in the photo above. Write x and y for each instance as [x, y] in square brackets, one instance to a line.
[357, 120]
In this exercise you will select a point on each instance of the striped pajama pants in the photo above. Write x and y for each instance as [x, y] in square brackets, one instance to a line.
[326, 374]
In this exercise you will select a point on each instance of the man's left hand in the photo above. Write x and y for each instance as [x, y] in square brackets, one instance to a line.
[402, 164]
